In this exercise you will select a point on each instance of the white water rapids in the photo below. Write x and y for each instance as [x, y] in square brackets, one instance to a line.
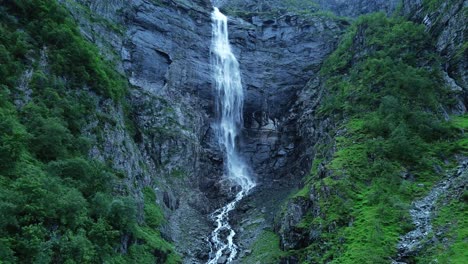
[230, 100]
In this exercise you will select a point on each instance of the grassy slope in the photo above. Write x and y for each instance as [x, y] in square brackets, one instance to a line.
[387, 104]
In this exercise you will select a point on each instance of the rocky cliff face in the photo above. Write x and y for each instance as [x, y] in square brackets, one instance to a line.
[356, 8]
[446, 21]
[163, 47]
[278, 57]
[344, 8]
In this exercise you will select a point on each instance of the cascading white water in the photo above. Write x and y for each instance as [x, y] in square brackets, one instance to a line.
[230, 99]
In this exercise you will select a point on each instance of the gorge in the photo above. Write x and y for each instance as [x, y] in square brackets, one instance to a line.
[299, 131]
[229, 104]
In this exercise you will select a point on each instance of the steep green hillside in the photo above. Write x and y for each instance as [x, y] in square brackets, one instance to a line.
[57, 204]
[385, 91]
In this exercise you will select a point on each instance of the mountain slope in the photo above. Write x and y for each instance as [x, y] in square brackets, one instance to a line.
[60, 204]
[107, 145]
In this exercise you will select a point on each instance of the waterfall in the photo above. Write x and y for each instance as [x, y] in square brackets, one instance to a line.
[229, 104]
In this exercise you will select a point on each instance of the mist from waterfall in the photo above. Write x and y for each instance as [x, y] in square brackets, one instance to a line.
[229, 104]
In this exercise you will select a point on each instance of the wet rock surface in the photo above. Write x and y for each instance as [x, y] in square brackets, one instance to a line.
[277, 59]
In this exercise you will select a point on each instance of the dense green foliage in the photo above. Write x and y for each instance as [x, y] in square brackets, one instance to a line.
[57, 205]
[385, 90]
[44, 24]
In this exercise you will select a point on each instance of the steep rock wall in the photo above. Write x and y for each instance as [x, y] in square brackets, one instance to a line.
[163, 47]
[344, 8]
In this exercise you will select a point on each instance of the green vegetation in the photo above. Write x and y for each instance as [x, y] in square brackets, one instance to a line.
[460, 123]
[151, 237]
[58, 205]
[452, 215]
[385, 91]
[266, 249]
[153, 213]
[39, 24]
[94, 18]
[432, 4]
[453, 221]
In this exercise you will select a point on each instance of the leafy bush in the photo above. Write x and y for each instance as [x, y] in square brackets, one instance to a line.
[46, 24]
